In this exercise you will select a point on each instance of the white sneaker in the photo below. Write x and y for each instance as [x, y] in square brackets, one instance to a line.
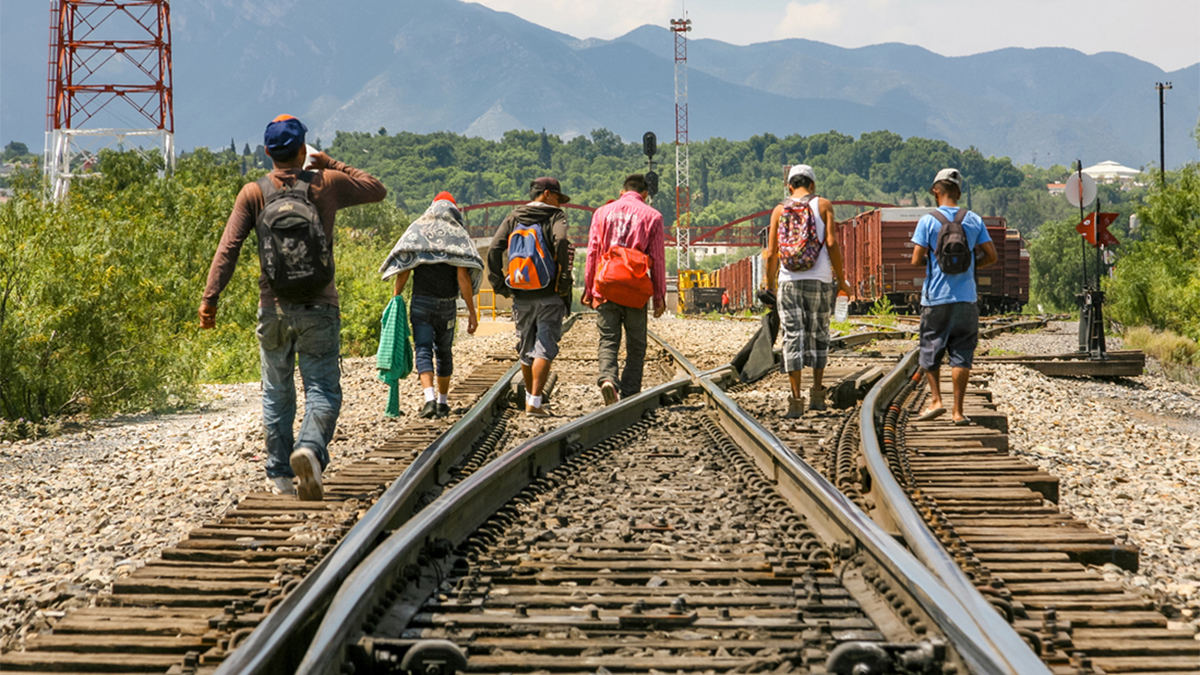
[308, 474]
[282, 485]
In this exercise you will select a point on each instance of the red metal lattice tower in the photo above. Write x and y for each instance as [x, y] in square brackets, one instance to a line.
[110, 60]
[683, 188]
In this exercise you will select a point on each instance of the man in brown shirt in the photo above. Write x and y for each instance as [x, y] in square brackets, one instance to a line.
[309, 330]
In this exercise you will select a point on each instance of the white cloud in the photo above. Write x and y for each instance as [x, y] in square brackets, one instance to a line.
[809, 20]
[607, 19]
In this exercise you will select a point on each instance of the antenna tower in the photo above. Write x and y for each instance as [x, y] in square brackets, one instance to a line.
[683, 189]
[109, 82]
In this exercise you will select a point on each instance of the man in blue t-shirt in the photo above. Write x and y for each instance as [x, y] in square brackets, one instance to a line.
[949, 315]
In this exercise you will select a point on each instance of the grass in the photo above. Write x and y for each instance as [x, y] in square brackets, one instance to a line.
[1179, 355]
[1166, 346]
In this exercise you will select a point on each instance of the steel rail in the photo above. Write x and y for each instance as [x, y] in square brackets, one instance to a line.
[1013, 653]
[837, 518]
[457, 513]
[276, 644]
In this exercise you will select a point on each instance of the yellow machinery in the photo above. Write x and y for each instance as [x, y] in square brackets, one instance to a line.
[693, 279]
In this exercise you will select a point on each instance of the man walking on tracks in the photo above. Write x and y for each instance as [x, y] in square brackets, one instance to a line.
[626, 267]
[945, 244]
[293, 211]
[530, 260]
[804, 259]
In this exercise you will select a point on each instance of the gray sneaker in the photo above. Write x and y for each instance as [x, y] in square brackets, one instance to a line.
[816, 398]
[308, 472]
[795, 408]
[282, 485]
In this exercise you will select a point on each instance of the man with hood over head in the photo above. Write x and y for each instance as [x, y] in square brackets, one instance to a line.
[530, 260]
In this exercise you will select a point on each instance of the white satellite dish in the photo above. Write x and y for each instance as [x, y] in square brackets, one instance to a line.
[1080, 190]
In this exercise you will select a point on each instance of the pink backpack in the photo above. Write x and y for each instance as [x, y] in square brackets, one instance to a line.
[798, 243]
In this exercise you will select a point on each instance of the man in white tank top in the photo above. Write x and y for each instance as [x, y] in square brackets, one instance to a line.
[806, 297]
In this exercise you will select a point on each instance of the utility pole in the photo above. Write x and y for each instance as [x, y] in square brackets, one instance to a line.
[1162, 134]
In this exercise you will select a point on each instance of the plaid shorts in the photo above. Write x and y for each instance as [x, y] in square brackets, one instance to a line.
[804, 310]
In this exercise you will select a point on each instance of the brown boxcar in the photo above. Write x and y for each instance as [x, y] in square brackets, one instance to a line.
[741, 279]
[877, 250]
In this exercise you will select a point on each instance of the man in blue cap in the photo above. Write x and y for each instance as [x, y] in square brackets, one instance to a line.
[294, 321]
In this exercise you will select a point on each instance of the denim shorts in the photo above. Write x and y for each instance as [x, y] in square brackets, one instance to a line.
[433, 323]
[952, 328]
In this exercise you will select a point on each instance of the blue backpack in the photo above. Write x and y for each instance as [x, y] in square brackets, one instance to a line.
[531, 264]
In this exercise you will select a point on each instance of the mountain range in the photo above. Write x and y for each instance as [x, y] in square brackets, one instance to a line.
[445, 65]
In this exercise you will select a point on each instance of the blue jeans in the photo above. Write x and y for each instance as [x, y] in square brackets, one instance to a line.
[312, 333]
[433, 322]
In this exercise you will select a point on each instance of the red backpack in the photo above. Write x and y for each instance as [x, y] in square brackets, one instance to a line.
[623, 277]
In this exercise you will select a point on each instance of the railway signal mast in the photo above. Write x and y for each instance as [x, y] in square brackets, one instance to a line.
[109, 83]
[683, 189]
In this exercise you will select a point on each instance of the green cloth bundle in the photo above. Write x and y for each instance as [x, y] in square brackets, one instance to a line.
[395, 356]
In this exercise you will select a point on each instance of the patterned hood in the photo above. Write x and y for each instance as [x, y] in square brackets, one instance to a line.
[438, 236]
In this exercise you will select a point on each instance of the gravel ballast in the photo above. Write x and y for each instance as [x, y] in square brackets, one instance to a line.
[1127, 453]
[84, 508]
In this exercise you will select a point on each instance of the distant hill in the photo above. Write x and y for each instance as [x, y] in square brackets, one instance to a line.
[430, 65]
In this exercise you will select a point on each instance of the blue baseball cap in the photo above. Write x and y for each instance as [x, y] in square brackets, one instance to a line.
[284, 134]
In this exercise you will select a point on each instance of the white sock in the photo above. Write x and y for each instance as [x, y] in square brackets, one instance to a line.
[535, 401]
[443, 398]
[528, 399]
[430, 394]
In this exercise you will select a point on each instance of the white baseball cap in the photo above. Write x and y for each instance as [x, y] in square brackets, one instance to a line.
[802, 170]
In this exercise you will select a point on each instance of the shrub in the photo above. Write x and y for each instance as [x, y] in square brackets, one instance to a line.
[98, 295]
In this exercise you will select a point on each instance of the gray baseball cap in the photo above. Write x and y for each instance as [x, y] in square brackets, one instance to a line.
[948, 175]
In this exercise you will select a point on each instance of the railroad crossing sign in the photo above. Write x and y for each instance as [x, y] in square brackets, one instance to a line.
[1094, 228]
[1080, 189]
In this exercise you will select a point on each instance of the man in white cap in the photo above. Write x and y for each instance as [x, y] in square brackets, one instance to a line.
[945, 244]
[804, 261]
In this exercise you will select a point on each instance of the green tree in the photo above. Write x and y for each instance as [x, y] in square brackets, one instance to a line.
[15, 150]
[1157, 283]
[1056, 265]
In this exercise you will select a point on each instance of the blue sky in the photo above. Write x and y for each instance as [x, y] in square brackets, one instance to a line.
[1163, 32]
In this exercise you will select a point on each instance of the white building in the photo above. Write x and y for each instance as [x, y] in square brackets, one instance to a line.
[1111, 172]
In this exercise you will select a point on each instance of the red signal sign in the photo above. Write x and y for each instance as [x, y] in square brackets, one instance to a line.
[1094, 228]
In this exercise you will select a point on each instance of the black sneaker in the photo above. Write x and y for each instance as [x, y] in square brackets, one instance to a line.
[443, 409]
[430, 410]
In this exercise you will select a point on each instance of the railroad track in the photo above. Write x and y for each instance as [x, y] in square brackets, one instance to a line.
[210, 590]
[985, 521]
[668, 532]
[275, 560]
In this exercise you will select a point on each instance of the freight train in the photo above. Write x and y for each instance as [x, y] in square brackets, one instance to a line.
[877, 257]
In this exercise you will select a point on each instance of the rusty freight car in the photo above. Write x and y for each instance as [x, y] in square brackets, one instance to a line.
[877, 253]
[742, 279]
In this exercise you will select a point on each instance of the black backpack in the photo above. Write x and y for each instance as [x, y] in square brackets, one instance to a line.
[953, 251]
[292, 249]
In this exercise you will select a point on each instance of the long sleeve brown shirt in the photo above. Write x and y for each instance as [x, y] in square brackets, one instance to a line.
[336, 187]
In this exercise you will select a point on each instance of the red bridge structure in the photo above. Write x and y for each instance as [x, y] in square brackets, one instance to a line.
[747, 231]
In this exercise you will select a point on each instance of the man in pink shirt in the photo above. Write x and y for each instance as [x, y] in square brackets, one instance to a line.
[631, 224]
